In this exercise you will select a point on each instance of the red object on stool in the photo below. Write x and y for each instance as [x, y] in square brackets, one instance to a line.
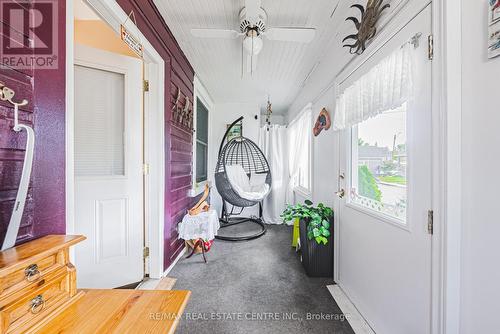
[208, 245]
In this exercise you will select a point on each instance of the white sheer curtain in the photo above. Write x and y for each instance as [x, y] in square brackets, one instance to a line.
[387, 86]
[299, 135]
[273, 145]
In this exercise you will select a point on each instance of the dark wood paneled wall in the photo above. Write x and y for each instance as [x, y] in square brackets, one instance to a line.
[178, 75]
[45, 91]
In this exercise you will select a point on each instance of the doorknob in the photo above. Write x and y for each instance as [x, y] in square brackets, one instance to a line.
[340, 193]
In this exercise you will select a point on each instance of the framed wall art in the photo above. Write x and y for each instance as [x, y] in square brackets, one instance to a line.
[236, 131]
[494, 39]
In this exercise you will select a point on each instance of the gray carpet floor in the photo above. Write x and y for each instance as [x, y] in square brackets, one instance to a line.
[256, 286]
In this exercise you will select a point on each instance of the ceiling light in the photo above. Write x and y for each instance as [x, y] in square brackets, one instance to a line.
[253, 44]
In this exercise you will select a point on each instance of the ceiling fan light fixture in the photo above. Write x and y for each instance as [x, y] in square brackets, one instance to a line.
[253, 45]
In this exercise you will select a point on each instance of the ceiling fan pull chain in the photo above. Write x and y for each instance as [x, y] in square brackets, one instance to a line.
[242, 60]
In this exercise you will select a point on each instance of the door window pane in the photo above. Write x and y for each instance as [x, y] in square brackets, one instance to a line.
[99, 122]
[379, 163]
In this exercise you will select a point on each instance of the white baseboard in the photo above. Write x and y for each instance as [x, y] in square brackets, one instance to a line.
[355, 319]
[181, 254]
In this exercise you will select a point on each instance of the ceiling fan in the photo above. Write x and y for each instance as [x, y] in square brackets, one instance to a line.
[252, 28]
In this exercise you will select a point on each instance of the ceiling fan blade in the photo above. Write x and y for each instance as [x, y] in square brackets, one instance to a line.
[252, 9]
[301, 35]
[215, 33]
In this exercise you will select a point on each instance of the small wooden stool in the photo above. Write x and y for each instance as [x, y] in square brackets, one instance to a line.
[196, 229]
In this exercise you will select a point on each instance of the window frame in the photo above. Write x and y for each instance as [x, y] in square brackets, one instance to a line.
[306, 192]
[198, 141]
[201, 94]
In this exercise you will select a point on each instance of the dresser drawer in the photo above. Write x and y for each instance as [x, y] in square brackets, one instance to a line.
[31, 274]
[35, 302]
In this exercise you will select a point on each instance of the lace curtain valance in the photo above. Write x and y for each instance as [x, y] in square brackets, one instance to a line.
[386, 86]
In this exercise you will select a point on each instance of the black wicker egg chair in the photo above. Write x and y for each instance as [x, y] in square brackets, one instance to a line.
[239, 151]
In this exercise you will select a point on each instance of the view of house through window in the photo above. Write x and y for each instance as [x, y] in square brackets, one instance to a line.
[379, 161]
[201, 141]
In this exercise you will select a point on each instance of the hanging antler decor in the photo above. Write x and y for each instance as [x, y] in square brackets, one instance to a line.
[367, 26]
[182, 116]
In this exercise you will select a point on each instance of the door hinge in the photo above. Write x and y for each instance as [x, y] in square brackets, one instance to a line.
[431, 47]
[430, 222]
[145, 85]
[145, 252]
[145, 169]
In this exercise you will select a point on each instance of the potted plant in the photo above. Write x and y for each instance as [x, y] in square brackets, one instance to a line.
[316, 237]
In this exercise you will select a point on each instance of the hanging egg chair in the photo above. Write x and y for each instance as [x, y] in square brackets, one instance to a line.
[243, 179]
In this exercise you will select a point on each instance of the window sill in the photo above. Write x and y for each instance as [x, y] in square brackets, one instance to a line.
[198, 188]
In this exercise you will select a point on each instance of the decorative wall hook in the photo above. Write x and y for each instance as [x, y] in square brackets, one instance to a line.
[177, 99]
[7, 94]
[183, 116]
[415, 40]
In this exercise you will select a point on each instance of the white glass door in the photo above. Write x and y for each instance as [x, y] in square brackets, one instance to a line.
[385, 161]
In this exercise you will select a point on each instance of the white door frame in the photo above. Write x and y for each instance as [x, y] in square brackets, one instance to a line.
[154, 131]
[446, 164]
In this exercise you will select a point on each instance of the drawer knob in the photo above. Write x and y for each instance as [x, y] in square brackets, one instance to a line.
[37, 304]
[32, 273]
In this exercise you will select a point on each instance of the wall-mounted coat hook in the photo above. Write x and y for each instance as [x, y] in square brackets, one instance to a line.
[7, 94]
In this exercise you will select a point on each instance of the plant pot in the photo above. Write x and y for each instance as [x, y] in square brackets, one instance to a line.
[316, 259]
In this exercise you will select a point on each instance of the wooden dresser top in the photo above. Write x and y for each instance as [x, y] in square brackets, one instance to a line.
[23, 255]
[68, 310]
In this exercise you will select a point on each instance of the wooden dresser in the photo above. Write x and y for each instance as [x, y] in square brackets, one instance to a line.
[38, 295]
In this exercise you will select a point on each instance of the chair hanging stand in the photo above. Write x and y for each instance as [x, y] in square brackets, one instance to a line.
[241, 151]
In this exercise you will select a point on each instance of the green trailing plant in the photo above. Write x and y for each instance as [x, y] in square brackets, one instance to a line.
[318, 219]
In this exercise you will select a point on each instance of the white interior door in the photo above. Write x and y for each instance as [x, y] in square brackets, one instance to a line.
[385, 164]
[108, 168]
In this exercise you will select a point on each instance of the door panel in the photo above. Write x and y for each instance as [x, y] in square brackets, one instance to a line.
[108, 168]
[111, 238]
[385, 261]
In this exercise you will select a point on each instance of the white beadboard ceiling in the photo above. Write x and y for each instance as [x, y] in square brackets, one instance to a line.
[282, 67]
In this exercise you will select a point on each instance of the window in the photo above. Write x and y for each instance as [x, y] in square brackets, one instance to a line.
[201, 141]
[299, 139]
[378, 155]
[99, 122]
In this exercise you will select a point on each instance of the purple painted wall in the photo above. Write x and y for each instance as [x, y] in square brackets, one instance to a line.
[178, 139]
[45, 91]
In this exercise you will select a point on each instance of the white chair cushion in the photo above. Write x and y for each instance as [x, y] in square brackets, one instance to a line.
[257, 181]
[238, 178]
[242, 185]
